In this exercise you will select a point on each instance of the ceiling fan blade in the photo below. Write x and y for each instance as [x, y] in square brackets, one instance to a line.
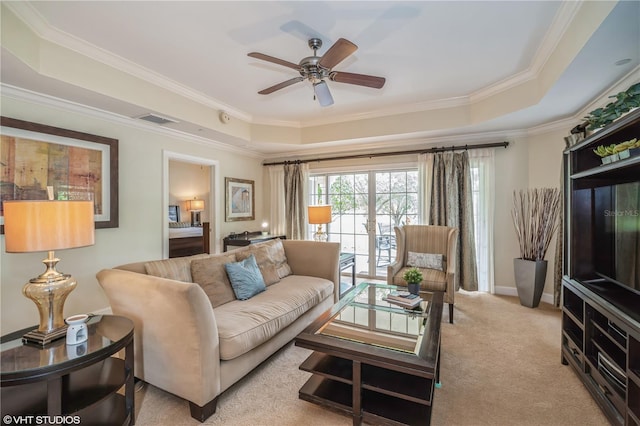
[359, 79]
[280, 86]
[337, 53]
[274, 60]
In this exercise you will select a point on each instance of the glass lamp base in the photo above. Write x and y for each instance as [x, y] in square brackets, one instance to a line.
[320, 235]
[49, 292]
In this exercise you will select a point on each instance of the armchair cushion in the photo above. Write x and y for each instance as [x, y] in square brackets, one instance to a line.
[426, 260]
[432, 279]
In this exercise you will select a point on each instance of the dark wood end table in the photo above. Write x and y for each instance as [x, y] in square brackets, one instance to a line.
[246, 238]
[80, 380]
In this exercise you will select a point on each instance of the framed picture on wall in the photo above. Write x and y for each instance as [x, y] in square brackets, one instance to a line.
[78, 166]
[239, 199]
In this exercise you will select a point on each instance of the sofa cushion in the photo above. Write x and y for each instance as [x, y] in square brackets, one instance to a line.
[178, 268]
[211, 275]
[270, 257]
[246, 278]
[244, 325]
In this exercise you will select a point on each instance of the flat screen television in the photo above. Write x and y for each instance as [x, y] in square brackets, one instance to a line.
[616, 231]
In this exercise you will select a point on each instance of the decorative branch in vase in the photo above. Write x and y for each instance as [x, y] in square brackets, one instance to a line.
[535, 217]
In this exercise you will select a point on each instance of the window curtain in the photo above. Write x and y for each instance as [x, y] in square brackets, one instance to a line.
[295, 193]
[451, 205]
[425, 178]
[277, 219]
[483, 183]
[558, 264]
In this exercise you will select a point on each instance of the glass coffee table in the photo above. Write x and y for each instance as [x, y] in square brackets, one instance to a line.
[373, 359]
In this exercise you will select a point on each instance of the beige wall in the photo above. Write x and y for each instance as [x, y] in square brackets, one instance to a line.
[532, 161]
[139, 236]
[545, 160]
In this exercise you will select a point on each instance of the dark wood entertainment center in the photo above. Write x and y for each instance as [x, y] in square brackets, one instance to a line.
[600, 313]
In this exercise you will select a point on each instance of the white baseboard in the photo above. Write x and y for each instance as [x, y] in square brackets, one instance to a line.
[512, 291]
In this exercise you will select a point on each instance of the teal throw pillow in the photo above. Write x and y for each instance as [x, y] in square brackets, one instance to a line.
[245, 278]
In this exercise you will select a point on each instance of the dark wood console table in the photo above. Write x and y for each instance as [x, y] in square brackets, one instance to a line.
[80, 380]
[246, 238]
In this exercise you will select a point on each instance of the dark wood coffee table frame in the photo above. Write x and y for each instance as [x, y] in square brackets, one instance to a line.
[371, 383]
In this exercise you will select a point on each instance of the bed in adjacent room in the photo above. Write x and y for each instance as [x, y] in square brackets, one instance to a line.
[184, 239]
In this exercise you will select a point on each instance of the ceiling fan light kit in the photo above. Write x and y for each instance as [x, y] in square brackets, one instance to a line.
[322, 93]
[318, 68]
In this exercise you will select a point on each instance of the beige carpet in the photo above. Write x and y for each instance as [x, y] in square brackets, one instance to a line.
[500, 366]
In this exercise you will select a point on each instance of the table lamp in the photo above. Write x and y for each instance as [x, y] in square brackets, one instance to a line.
[38, 225]
[319, 215]
[195, 207]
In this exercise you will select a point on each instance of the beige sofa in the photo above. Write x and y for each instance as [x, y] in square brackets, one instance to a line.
[190, 344]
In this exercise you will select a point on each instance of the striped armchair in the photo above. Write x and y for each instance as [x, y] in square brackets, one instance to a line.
[438, 240]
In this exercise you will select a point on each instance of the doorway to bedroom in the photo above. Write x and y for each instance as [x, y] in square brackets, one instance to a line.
[190, 206]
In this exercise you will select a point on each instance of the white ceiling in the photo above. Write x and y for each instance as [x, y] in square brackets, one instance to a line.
[433, 54]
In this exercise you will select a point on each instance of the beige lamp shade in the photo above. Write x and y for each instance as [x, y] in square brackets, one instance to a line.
[195, 205]
[319, 214]
[32, 226]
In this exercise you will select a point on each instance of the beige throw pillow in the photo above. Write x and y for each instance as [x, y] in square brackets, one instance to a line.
[426, 260]
[211, 275]
[270, 258]
[178, 268]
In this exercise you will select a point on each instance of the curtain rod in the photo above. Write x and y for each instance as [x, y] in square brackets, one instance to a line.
[387, 154]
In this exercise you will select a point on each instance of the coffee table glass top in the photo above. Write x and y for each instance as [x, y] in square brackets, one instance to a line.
[366, 317]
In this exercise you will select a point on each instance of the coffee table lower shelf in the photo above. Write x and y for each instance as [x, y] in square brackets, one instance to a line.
[369, 370]
[382, 399]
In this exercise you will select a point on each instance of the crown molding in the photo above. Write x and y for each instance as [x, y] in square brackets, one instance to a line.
[36, 22]
[20, 94]
[418, 142]
[561, 22]
[631, 78]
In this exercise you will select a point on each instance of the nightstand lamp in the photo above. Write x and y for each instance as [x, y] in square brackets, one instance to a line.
[195, 207]
[34, 226]
[319, 215]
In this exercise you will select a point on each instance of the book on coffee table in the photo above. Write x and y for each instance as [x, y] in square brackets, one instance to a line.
[404, 299]
[402, 296]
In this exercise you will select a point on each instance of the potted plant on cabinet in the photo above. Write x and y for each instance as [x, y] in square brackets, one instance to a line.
[413, 277]
[535, 217]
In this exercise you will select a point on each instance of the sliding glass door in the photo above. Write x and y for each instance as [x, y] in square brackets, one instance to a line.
[365, 208]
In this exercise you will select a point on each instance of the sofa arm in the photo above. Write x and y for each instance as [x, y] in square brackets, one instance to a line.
[315, 259]
[175, 337]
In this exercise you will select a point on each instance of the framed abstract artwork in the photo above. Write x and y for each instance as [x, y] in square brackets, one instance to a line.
[239, 199]
[78, 166]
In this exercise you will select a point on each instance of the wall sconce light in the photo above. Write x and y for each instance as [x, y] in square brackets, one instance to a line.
[34, 226]
[195, 207]
[319, 215]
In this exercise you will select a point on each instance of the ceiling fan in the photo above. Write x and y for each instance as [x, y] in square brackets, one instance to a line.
[318, 68]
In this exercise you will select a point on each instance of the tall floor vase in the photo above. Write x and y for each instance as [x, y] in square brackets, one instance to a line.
[530, 276]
